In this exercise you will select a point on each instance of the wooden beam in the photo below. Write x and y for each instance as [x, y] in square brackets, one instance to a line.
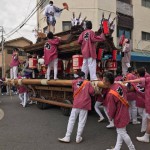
[51, 102]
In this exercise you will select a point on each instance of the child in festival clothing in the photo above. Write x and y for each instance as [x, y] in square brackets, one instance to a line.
[145, 82]
[22, 90]
[14, 64]
[87, 40]
[51, 54]
[82, 89]
[117, 108]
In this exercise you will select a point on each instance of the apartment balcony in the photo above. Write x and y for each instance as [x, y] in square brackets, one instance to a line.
[124, 8]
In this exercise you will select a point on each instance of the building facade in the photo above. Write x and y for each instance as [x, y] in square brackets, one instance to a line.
[132, 18]
[8, 50]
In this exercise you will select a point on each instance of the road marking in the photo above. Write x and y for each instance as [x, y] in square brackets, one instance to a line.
[1, 114]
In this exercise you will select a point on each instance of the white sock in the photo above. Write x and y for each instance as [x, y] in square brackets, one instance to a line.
[146, 135]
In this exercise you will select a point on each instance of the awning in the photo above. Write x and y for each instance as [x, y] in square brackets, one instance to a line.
[138, 57]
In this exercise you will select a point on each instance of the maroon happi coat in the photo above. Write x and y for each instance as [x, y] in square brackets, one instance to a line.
[147, 93]
[116, 109]
[14, 60]
[87, 40]
[50, 50]
[131, 95]
[140, 93]
[83, 99]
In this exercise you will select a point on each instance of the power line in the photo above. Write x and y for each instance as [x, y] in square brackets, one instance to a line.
[25, 20]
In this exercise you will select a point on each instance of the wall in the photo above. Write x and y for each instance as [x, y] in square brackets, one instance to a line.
[125, 8]
[93, 9]
[141, 23]
[86, 7]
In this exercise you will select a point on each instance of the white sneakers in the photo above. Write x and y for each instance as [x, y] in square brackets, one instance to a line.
[101, 119]
[21, 103]
[144, 138]
[136, 122]
[65, 139]
[79, 140]
[111, 125]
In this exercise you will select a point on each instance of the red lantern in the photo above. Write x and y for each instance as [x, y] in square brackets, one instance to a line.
[77, 61]
[114, 54]
[33, 63]
[100, 54]
[111, 65]
[105, 27]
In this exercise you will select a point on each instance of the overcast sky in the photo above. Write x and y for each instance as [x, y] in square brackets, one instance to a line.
[13, 12]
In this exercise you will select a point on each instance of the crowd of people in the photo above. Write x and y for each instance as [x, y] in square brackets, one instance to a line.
[124, 98]
[124, 101]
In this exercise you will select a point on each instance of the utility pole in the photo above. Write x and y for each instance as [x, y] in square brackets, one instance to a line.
[2, 45]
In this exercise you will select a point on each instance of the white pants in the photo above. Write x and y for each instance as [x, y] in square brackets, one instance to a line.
[125, 67]
[97, 109]
[14, 72]
[54, 64]
[82, 120]
[133, 111]
[144, 121]
[123, 136]
[110, 121]
[140, 111]
[23, 98]
[89, 65]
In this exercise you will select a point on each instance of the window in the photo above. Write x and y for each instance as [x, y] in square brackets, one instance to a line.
[120, 31]
[66, 25]
[126, 1]
[44, 3]
[145, 36]
[146, 3]
[125, 21]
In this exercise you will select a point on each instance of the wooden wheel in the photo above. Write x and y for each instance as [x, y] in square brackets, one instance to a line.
[41, 105]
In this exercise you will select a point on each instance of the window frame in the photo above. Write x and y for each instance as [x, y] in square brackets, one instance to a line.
[126, 30]
[66, 22]
[144, 3]
[147, 36]
[126, 1]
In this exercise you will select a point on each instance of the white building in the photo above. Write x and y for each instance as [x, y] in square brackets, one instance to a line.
[133, 17]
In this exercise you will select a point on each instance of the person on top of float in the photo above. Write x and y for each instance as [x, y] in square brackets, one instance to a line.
[51, 12]
[51, 54]
[87, 40]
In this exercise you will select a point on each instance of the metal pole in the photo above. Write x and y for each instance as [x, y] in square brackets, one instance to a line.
[2, 45]
[3, 73]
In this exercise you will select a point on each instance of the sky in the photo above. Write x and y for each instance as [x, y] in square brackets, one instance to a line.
[12, 13]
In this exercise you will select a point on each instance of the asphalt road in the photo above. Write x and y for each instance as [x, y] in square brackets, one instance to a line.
[33, 129]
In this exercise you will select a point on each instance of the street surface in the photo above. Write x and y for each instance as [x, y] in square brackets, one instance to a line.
[33, 129]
